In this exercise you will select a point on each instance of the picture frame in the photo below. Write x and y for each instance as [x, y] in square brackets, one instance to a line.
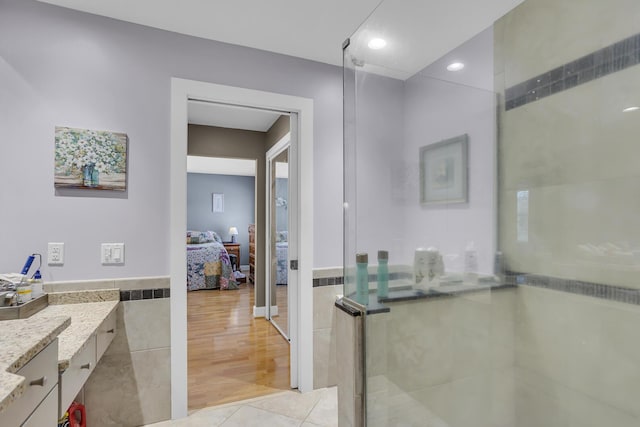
[444, 171]
[90, 159]
[217, 202]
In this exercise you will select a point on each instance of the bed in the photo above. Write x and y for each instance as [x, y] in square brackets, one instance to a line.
[208, 263]
[282, 249]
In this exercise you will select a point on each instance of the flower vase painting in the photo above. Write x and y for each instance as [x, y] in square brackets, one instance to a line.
[90, 159]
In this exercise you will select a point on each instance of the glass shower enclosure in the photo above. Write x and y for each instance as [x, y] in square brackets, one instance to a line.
[491, 226]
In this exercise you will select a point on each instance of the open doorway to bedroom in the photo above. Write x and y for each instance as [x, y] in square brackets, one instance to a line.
[233, 353]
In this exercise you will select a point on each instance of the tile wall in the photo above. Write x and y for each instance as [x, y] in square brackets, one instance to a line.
[131, 385]
[576, 360]
[446, 361]
[327, 283]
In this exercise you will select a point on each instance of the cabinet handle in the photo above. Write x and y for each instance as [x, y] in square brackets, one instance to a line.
[40, 381]
[86, 366]
[111, 331]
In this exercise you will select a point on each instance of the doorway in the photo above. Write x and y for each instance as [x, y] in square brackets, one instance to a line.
[302, 351]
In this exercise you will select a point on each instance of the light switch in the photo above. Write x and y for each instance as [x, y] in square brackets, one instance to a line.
[112, 253]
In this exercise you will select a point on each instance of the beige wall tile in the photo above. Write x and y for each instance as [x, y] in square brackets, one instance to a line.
[147, 323]
[78, 285]
[143, 283]
[324, 298]
[324, 358]
[129, 389]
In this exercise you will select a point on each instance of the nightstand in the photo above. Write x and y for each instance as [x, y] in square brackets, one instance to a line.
[233, 249]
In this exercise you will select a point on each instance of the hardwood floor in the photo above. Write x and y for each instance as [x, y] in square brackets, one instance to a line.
[232, 355]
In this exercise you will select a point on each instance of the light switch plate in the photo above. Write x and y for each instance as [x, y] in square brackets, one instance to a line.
[112, 253]
[55, 253]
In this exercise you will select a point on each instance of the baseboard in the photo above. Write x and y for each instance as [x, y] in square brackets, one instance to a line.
[261, 312]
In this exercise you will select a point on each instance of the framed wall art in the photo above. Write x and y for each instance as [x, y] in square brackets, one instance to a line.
[90, 159]
[444, 171]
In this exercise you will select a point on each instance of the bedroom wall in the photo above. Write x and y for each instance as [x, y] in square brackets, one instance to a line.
[74, 69]
[279, 129]
[239, 206]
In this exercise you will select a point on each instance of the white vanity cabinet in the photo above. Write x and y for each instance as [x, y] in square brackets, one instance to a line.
[84, 362]
[37, 406]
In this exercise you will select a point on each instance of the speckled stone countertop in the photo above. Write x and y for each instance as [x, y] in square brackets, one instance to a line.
[20, 341]
[71, 316]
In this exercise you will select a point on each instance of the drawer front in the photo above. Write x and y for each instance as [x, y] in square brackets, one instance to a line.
[106, 333]
[41, 375]
[80, 367]
[47, 412]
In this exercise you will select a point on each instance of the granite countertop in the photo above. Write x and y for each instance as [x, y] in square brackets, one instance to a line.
[20, 341]
[86, 318]
[73, 317]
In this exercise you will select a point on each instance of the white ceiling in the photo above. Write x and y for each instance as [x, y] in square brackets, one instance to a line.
[223, 166]
[418, 31]
[234, 117]
[220, 166]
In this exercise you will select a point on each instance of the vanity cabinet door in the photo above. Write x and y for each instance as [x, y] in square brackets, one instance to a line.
[47, 412]
[80, 367]
[41, 376]
[106, 333]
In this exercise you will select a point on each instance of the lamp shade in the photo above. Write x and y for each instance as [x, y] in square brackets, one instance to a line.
[233, 231]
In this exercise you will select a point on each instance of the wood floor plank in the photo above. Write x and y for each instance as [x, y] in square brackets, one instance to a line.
[232, 355]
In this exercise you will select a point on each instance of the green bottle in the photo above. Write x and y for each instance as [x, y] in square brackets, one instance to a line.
[362, 279]
[383, 274]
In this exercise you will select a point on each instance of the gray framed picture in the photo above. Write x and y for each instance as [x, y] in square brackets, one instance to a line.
[444, 171]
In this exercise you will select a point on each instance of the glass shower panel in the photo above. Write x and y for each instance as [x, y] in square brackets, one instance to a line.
[491, 229]
[420, 232]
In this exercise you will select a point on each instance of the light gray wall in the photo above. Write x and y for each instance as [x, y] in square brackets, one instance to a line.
[436, 110]
[67, 68]
[239, 206]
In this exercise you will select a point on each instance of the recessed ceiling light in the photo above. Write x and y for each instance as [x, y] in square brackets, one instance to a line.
[629, 109]
[377, 43]
[455, 66]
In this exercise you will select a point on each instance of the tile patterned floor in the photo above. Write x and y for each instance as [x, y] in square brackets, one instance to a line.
[318, 408]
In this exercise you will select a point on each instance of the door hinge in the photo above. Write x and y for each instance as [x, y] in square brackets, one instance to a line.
[293, 264]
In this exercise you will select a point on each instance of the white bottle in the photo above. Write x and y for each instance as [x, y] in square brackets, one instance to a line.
[36, 285]
[23, 289]
[470, 276]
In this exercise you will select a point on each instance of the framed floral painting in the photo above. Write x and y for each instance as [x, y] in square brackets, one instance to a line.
[90, 159]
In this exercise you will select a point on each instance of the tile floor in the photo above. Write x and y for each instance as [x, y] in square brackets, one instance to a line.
[318, 408]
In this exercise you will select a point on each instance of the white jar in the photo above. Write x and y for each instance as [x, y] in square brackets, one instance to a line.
[24, 292]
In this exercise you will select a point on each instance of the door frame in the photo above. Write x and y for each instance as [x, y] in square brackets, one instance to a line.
[181, 91]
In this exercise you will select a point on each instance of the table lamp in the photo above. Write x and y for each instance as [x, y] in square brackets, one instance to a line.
[233, 231]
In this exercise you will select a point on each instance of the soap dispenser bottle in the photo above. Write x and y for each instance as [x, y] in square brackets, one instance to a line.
[362, 278]
[383, 274]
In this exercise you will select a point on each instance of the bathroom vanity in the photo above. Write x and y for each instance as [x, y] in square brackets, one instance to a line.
[46, 359]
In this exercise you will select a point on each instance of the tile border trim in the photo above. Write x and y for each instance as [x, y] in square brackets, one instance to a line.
[339, 280]
[602, 62]
[145, 294]
[578, 287]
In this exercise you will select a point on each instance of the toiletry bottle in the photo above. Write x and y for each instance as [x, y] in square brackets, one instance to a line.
[36, 285]
[23, 290]
[383, 274]
[470, 265]
[362, 278]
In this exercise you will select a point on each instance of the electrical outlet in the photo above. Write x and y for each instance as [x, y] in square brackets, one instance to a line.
[112, 253]
[55, 253]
